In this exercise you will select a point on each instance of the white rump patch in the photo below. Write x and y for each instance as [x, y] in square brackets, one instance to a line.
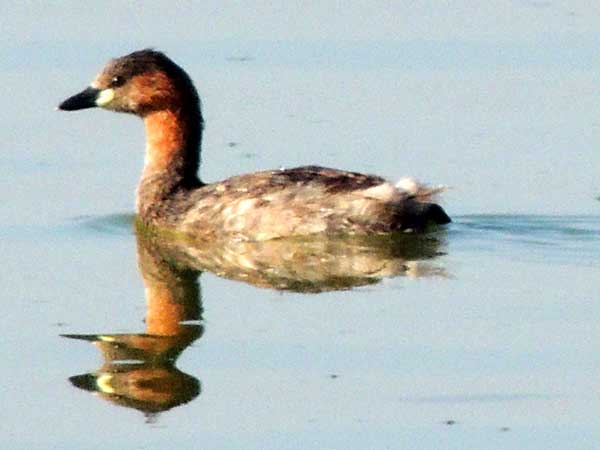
[384, 191]
[409, 185]
[420, 191]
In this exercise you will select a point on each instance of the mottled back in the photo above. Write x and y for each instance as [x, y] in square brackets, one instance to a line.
[301, 201]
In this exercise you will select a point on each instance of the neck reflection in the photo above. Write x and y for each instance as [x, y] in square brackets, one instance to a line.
[139, 368]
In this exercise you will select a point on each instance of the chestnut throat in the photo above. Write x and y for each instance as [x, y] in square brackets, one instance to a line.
[172, 160]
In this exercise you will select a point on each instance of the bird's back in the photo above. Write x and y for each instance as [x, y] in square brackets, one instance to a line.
[303, 201]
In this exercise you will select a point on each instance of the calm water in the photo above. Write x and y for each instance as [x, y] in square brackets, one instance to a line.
[481, 336]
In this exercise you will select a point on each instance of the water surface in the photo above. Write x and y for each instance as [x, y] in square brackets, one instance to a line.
[481, 336]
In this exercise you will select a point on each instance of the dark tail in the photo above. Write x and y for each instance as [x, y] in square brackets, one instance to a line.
[419, 215]
[436, 214]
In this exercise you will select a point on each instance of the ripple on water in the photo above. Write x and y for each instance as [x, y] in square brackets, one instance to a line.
[532, 236]
[563, 239]
[120, 224]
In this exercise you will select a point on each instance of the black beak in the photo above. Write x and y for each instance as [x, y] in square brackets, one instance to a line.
[87, 381]
[85, 99]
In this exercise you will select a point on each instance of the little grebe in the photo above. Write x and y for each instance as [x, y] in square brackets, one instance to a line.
[258, 206]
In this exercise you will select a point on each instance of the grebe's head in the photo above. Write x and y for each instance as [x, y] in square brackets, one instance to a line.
[140, 83]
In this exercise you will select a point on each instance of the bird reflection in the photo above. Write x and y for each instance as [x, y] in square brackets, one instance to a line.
[308, 264]
[139, 369]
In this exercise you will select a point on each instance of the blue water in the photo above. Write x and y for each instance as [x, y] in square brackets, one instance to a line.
[480, 336]
[492, 349]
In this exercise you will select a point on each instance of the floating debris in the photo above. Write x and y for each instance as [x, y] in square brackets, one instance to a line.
[239, 58]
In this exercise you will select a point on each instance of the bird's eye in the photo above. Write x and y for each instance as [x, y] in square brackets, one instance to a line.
[117, 81]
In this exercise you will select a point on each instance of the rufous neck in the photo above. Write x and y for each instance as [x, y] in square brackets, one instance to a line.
[173, 138]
